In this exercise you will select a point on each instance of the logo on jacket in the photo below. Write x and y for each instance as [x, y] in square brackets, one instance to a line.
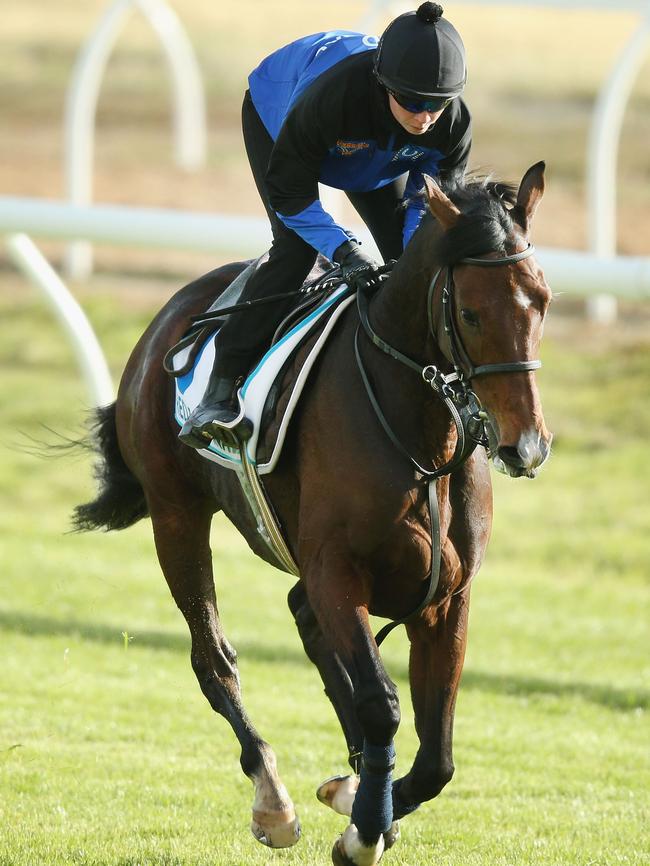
[408, 152]
[349, 148]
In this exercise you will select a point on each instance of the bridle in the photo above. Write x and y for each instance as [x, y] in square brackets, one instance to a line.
[454, 389]
[459, 357]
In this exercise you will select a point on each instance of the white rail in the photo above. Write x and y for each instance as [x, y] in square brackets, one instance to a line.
[604, 140]
[568, 271]
[76, 326]
[83, 93]
[602, 157]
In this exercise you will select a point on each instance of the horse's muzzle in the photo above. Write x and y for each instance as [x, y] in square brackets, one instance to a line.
[525, 458]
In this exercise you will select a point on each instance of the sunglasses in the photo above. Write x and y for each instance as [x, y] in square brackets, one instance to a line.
[417, 106]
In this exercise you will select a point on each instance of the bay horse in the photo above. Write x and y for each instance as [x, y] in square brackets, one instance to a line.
[466, 295]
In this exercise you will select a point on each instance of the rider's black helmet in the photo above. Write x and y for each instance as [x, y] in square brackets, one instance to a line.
[422, 55]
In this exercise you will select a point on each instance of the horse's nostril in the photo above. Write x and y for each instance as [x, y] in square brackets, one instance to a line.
[510, 455]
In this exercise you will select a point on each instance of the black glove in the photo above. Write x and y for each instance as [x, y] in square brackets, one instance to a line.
[358, 269]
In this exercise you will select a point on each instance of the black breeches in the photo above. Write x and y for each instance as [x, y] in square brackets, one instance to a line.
[246, 335]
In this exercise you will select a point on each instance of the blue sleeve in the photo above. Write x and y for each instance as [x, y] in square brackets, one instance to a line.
[415, 204]
[317, 227]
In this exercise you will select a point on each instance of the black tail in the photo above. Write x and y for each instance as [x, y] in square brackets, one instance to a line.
[121, 501]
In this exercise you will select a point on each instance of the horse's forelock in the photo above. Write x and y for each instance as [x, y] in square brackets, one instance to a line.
[485, 224]
[475, 188]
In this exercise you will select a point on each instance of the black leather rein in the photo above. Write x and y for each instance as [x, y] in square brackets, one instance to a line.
[455, 392]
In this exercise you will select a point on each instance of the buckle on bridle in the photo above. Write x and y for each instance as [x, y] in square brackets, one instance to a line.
[456, 389]
[437, 380]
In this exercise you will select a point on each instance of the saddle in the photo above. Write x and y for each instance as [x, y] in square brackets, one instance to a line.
[270, 392]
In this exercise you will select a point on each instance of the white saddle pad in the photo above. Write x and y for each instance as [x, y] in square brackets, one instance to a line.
[191, 386]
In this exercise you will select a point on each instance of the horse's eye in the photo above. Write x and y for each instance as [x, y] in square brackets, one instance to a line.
[469, 317]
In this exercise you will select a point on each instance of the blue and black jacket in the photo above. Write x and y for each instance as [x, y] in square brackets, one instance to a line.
[330, 121]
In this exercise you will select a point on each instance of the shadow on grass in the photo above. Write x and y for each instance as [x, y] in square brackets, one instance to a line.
[522, 686]
[43, 626]
[473, 680]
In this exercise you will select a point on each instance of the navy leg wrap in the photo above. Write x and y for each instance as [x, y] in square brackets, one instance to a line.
[372, 811]
[400, 806]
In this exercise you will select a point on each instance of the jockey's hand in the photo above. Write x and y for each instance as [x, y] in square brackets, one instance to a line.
[358, 269]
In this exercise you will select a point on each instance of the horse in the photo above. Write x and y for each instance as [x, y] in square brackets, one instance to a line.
[468, 300]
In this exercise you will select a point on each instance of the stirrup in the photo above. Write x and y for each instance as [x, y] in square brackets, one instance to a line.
[198, 432]
[231, 434]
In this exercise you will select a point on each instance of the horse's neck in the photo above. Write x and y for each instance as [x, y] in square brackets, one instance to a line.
[400, 310]
[399, 314]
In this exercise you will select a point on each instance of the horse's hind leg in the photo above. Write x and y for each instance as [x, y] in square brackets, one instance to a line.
[182, 541]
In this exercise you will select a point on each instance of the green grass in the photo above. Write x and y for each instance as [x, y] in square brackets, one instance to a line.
[109, 754]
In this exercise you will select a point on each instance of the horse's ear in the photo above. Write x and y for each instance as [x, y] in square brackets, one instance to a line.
[531, 190]
[442, 207]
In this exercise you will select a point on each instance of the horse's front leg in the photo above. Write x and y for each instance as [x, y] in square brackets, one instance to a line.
[338, 595]
[439, 637]
[336, 679]
[438, 640]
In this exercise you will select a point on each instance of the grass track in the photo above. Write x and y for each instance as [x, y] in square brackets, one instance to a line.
[110, 755]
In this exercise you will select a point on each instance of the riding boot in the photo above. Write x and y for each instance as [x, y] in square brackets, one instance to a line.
[217, 407]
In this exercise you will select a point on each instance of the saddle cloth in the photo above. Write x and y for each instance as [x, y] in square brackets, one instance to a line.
[311, 333]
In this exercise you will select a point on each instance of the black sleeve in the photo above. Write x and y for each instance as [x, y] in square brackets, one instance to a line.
[294, 170]
[294, 167]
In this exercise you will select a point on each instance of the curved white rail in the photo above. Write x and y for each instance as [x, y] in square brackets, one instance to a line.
[26, 256]
[83, 94]
[604, 140]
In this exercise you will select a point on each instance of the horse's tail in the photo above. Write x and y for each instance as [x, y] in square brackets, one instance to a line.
[121, 501]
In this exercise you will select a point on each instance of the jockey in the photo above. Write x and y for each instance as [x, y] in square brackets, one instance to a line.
[368, 117]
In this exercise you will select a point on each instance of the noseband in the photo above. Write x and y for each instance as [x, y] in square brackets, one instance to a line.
[453, 389]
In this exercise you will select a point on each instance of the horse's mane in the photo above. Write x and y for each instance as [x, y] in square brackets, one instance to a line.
[486, 224]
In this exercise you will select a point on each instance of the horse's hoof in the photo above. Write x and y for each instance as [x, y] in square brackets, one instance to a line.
[392, 835]
[349, 850]
[338, 792]
[338, 855]
[276, 829]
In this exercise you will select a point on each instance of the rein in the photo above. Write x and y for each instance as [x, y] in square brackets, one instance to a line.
[453, 389]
